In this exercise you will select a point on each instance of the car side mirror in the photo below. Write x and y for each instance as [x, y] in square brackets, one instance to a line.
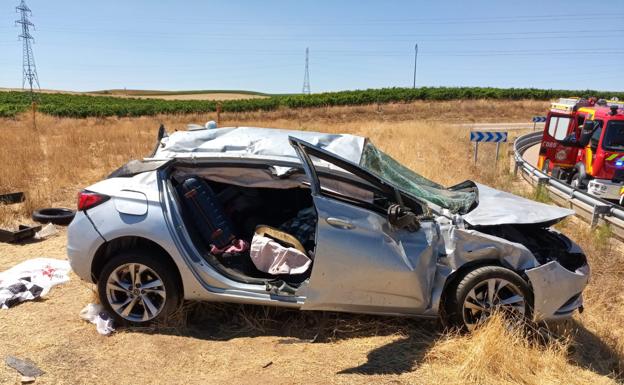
[586, 133]
[403, 218]
[585, 138]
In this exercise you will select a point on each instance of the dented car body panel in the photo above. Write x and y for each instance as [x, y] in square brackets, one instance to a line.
[379, 269]
[362, 263]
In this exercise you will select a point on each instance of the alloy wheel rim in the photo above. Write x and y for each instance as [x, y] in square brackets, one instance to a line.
[135, 292]
[489, 296]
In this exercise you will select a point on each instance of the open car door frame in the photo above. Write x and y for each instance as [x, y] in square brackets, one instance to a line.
[362, 263]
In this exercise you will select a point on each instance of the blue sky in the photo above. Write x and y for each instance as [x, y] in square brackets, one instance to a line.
[260, 45]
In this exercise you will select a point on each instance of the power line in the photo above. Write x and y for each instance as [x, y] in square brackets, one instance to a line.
[523, 35]
[29, 70]
[367, 22]
[306, 76]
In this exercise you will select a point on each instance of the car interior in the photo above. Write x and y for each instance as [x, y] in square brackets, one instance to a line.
[241, 200]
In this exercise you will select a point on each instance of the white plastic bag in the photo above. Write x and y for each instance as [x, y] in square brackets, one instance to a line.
[96, 314]
[46, 232]
[31, 279]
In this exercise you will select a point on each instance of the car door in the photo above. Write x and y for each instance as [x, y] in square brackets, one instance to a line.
[361, 262]
[557, 128]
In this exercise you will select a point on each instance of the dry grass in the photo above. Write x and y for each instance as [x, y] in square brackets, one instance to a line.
[218, 343]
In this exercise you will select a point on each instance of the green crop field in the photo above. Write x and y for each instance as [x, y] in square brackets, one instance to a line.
[81, 106]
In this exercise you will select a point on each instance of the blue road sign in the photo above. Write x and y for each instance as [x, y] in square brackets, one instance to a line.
[486, 136]
[538, 119]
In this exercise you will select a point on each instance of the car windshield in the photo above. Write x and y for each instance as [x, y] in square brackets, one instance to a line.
[614, 136]
[388, 169]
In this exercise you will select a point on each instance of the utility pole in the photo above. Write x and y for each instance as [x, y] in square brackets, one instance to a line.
[29, 71]
[306, 76]
[415, 61]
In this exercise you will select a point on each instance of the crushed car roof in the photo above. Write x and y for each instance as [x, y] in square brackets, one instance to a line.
[255, 142]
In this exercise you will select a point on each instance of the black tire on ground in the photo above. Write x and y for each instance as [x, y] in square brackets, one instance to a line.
[56, 215]
[166, 273]
[457, 292]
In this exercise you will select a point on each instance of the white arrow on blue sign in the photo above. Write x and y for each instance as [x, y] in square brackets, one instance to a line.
[538, 119]
[487, 136]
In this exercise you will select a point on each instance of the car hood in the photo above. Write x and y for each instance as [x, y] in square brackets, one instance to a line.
[497, 207]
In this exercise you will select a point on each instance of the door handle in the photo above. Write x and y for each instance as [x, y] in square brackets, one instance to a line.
[340, 223]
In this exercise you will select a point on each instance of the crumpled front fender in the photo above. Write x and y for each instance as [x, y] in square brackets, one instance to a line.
[471, 245]
[553, 287]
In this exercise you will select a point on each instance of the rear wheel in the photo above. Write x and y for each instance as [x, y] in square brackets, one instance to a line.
[484, 291]
[138, 289]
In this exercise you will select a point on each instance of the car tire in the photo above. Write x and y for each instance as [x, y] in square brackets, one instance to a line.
[56, 215]
[468, 302]
[152, 294]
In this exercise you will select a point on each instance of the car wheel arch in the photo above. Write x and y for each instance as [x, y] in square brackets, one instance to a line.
[453, 280]
[113, 247]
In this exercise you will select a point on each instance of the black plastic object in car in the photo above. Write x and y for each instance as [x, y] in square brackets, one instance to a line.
[135, 167]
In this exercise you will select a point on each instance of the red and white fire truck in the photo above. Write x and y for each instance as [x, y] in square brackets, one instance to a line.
[583, 144]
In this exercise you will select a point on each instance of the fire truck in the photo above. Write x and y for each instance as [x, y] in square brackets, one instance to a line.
[583, 144]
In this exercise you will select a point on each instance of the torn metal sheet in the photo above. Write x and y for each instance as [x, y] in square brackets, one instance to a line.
[253, 141]
[463, 246]
[553, 286]
[497, 207]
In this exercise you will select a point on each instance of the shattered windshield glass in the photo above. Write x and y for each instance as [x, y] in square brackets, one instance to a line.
[388, 169]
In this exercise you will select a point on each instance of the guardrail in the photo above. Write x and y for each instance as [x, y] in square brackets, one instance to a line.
[592, 209]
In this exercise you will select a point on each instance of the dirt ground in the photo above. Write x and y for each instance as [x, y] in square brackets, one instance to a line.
[50, 333]
[228, 344]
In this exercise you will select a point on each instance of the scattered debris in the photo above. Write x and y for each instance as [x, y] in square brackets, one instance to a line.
[31, 279]
[47, 231]
[12, 198]
[25, 367]
[95, 313]
[267, 364]
[57, 215]
[23, 232]
[27, 380]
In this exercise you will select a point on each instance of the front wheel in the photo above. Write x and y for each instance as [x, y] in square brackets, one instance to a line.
[484, 291]
[138, 288]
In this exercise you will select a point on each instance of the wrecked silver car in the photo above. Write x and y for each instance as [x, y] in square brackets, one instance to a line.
[315, 221]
